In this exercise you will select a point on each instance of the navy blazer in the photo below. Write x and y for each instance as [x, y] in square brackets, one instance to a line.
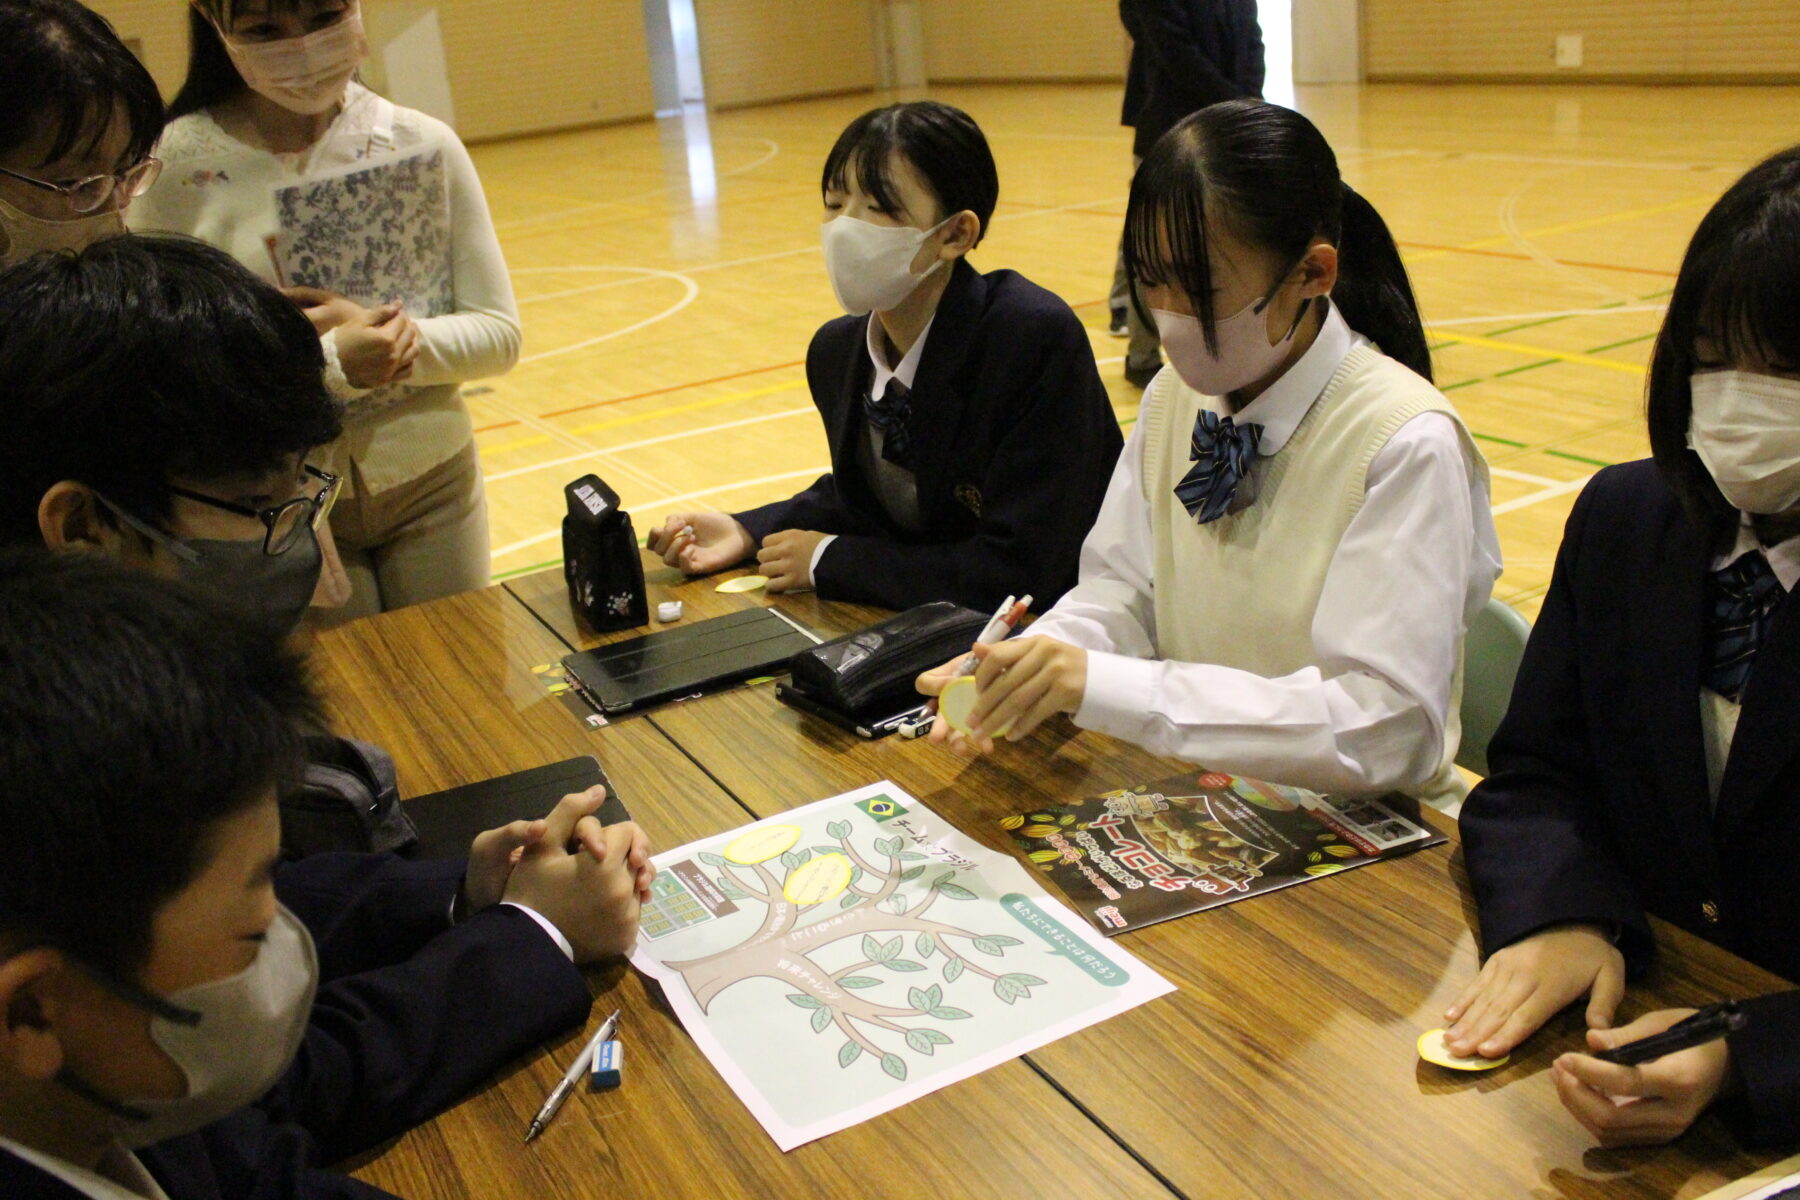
[411, 1016]
[1014, 440]
[1194, 53]
[1597, 808]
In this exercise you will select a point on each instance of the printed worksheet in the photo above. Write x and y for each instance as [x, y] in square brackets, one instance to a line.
[844, 958]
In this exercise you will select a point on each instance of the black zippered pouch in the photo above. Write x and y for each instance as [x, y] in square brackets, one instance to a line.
[872, 670]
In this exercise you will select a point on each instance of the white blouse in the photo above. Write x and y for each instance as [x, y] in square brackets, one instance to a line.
[1374, 719]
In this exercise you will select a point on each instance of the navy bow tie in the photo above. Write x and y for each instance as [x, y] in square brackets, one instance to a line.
[1744, 597]
[1222, 452]
[892, 415]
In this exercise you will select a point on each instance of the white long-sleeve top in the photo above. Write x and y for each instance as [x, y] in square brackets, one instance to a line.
[222, 190]
[1415, 565]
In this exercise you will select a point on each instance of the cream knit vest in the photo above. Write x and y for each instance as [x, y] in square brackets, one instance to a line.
[1241, 591]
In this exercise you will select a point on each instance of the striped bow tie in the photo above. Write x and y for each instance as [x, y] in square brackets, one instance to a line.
[1744, 597]
[1222, 452]
[892, 415]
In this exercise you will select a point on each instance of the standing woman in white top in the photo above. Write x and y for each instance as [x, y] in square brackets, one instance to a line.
[1298, 530]
[271, 101]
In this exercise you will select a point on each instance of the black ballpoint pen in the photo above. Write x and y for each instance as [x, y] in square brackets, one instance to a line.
[1709, 1024]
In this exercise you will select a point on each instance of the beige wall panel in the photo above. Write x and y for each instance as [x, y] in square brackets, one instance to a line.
[1023, 39]
[1653, 39]
[513, 68]
[754, 51]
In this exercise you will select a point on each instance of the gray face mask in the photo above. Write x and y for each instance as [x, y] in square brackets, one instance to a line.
[231, 1038]
[270, 590]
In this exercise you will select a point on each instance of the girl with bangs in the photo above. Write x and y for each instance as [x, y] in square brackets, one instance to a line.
[1649, 762]
[78, 118]
[271, 122]
[1298, 530]
[970, 434]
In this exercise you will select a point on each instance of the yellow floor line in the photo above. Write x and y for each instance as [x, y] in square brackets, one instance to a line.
[1572, 356]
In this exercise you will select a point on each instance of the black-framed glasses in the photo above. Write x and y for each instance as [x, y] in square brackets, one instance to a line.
[88, 195]
[283, 523]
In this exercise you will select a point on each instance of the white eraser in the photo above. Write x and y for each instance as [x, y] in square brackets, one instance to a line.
[609, 1066]
[668, 610]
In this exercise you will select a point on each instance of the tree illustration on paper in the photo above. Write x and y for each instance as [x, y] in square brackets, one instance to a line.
[870, 908]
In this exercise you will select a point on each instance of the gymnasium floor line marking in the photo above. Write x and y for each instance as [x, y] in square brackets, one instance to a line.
[662, 391]
[1541, 318]
[693, 293]
[1437, 251]
[608, 451]
[1611, 364]
[664, 502]
[1538, 497]
[636, 418]
[1512, 234]
[668, 182]
[1563, 454]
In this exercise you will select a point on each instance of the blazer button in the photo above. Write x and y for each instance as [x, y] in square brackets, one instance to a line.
[1710, 910]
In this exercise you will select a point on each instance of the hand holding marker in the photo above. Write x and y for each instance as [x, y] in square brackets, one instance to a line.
[958, 698]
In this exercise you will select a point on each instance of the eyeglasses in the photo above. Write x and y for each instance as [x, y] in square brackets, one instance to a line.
[283, 523]
[88, 195]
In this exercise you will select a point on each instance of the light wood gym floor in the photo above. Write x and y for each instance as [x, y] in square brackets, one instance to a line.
[670, 278]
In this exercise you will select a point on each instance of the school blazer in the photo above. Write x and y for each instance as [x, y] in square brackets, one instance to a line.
[1014, 441]
[1597, 807]
[1195, 53]
[410, 1016]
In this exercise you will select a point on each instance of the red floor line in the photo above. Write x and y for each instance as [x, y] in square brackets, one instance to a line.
[662, 391]
[1567, 262]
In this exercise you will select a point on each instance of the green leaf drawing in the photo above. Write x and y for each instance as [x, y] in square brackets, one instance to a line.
[820, 1019]
[909, 856]
[955, 891]
[1016, 986]
[794, 858]
[711, 859]
[856, 872]
[905, 964]
[1025, 980]
[821, 851]
[894, 1065]
[946, 1013]
[838, 829]
[925, 1041]
[850, 899]
[859, 981]
[888, 846]
[988, 945]
[891, 948]
[953, 970]
[925, 945]
[925, 999]
[897, 904]
[911, 873]
[730, 889]
[1000, 939]
[848, 1053]
[803, 1001]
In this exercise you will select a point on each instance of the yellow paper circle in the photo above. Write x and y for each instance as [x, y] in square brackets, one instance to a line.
[762, 844]
[957, 702]
[1433, 1050]
[818, 880]
[743, 583]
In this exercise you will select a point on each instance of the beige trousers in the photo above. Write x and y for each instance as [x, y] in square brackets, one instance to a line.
[419, 541]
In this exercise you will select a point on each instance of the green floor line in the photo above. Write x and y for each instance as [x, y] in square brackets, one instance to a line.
[1547, 362]
[1488, 437]
[1451, 387]
[1642, 337]
[517, 571]
[1580, 458]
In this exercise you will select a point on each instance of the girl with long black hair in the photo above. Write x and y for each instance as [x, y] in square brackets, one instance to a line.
[1298, 531]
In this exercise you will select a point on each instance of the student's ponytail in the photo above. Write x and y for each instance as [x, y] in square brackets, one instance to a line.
[1373, 291]
[1268, 174]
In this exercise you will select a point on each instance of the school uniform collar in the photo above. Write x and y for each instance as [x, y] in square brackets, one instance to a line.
[908, 367]
[1281, 409]
[138, 1184]
[1783, 557]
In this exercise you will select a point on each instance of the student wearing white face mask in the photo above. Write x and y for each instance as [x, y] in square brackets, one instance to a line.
[271, 103]
[1650, 761]
[1298, 530]
[79, 116]
[970, 435]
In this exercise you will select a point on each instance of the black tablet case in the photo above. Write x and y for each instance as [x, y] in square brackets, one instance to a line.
[687, 659]
[449, 820]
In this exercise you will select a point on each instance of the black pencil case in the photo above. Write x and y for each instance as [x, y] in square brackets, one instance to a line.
[872, 670]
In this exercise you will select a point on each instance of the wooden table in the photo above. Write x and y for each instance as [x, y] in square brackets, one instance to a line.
[1284, 1066]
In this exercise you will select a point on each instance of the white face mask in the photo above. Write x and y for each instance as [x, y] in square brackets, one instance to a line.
[23, 235]
[1244, 356]
[871, 265]
[304, 74]
[1746, 430]
[232, 1038]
